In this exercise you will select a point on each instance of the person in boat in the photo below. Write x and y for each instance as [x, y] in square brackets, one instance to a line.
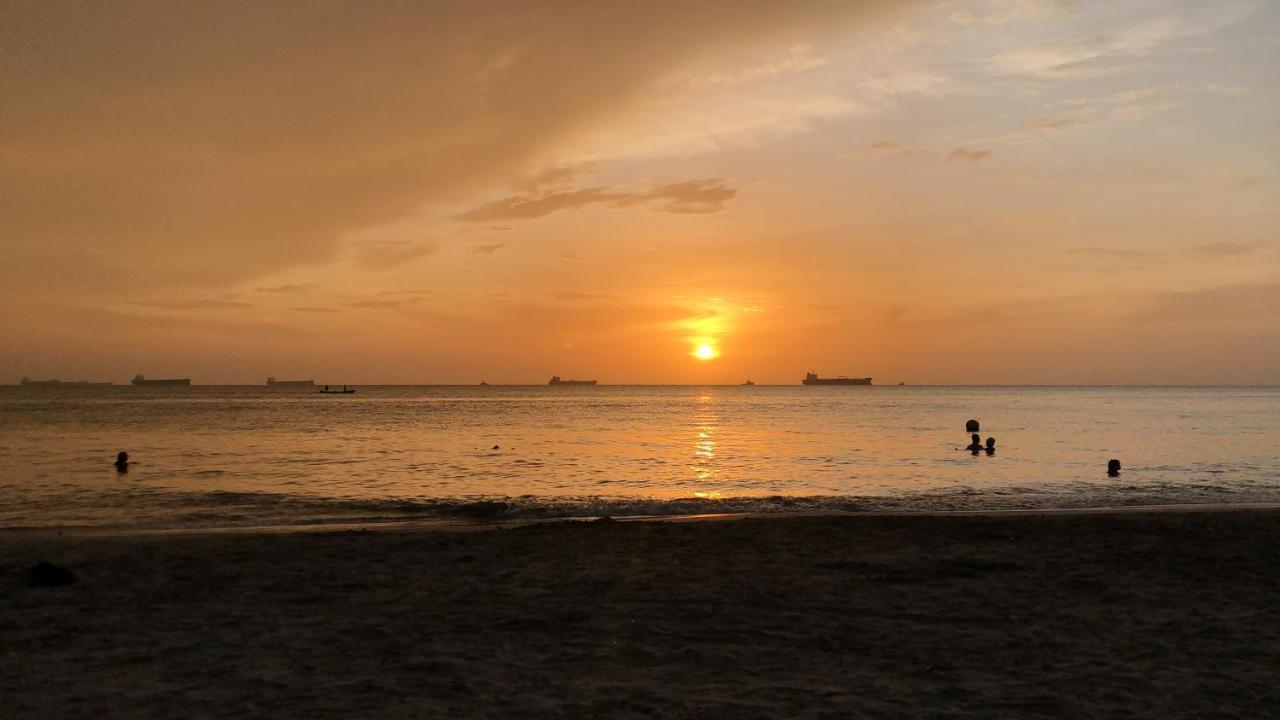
[991, 446]
[975, 446]
[122, 462]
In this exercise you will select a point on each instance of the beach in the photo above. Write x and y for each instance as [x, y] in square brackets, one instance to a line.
[1135, 614]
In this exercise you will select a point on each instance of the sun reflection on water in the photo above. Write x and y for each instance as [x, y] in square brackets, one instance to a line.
[705, 424]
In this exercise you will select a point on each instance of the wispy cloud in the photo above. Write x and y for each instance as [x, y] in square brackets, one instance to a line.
[1119, 49]
[960, 154]
[385, 255]
[485, 249]
[1113, 252]
[1227, 249]
[202, 304]
[388, 303]
[967, 155]
[691, 197]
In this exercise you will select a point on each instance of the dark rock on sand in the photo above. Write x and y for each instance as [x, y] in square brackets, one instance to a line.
[46, 574]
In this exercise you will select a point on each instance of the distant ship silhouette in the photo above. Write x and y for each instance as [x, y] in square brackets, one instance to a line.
[813, 379]
[171, 382]
[272, 382]
[59, 383]
[555, 380]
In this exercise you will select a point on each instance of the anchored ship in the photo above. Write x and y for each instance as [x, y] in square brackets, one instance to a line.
[171, 382]
[555, 380]
[344, 391]
[813, 379]
[274, 383]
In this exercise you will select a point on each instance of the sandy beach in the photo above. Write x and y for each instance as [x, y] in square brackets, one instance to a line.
[1132, 614]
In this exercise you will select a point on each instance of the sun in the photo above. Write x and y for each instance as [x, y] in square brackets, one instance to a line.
[706, 351]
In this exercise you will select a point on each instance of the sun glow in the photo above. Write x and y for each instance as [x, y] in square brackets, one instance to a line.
[706, 351]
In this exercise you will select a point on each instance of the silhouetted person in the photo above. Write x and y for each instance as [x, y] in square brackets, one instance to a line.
[1113, 467]
[972, 426]
[975, 447]
[122, 462]
[991, 446]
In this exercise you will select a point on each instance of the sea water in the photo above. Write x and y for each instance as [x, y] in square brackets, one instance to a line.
[227, 456]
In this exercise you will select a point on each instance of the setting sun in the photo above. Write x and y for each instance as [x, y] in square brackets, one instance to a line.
[705, 351]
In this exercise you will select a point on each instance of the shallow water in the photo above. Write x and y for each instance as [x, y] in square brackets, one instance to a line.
[245, 455]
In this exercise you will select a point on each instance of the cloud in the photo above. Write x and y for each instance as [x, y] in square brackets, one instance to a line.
[386, 303]
[291, 288]
[1120, 48]
[175, 145]
[892, 148]
[385, 255]
[1227, 249]
[553, 179]
[485, 249]
[1097, 251]
[205, 304]
[314, 309]
[406, 292]
[1002, 12]
[967, 155]
[798, 58]
[691, 197]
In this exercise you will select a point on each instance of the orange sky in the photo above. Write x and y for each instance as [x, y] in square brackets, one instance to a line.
[1007, 191]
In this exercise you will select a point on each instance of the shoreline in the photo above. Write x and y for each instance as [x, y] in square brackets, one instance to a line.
[433, 525]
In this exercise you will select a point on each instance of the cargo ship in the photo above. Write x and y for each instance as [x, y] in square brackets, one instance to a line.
[170, 382]
[555, 380]
[61, 383]
[274, 383]
[813, 379]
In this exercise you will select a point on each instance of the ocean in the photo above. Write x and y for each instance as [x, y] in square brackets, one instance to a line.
[225, 456]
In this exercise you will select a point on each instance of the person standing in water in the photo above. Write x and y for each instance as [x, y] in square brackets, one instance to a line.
[975, 446]
[122, 462]
[991, 446]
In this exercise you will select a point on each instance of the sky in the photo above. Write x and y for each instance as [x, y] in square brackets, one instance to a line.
[995, 191]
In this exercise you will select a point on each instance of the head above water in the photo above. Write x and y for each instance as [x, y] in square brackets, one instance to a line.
[972, 426]
[1113, 467]
[976, 438]
[122, 458]
[991, 442]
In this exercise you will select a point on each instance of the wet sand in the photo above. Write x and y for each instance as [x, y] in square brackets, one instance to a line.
[1133, 614]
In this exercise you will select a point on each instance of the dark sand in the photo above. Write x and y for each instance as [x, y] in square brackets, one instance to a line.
[1161, 615]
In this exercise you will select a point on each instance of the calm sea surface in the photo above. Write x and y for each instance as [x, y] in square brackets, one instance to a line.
[222, 456]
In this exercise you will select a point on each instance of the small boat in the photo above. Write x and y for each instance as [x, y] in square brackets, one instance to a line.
[555, 380]
[344, 391]
[813, 379]
[484, 384]
[170, 382]
[748, 383]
